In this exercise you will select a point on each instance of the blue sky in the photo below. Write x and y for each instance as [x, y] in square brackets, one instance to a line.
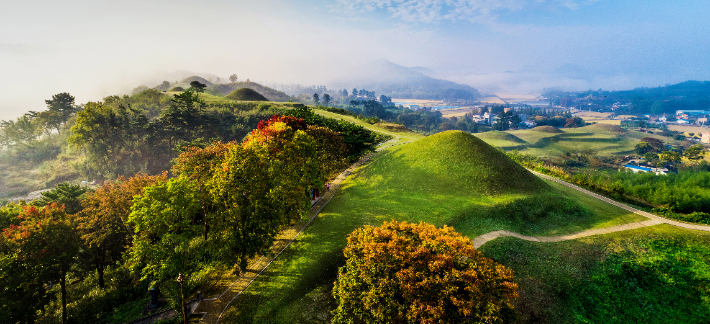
[96, 48]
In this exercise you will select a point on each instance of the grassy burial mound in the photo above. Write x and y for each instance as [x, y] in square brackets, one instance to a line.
[450, 178]
[196, 78]
[454, 162]
[246, 94]
[547, 129]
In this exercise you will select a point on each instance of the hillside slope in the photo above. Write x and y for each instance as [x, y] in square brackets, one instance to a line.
[455, 162]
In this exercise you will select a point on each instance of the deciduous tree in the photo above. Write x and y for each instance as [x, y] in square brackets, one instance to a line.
[167, 238]
[415, 273]
[38, 244]
[103, 222]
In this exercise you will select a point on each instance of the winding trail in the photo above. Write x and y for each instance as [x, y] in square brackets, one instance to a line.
[652, 220]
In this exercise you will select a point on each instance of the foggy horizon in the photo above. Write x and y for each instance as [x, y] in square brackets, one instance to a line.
[95, 49]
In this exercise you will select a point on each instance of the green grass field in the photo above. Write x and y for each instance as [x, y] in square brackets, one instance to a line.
[658, 274]
[604, 139]
[450, 178]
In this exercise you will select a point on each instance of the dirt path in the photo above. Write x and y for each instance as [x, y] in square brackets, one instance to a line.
[652, 220]
[213, 309]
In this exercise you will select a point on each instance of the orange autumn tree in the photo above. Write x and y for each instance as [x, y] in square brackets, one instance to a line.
[294, 161]
[46, 241]
[103, 222]
[415, 273]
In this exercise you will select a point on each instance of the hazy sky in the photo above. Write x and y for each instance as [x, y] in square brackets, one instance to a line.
[95, 48]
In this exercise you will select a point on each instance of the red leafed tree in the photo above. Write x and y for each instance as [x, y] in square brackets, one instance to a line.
[103, 222]
[415, 273]
[48, 242]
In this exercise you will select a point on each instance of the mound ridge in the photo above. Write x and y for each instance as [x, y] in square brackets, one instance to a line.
[246, 94]
[547, 129]
[453, 162]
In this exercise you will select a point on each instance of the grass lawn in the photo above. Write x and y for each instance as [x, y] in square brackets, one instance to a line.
[476, 191]
[658, 274]
[604, 139]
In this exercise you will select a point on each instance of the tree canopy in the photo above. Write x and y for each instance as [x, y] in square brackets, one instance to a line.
[415, 273]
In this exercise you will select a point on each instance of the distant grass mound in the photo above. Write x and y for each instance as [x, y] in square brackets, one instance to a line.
[608, 128]
[270, 93]
[455, 162]
[198, 79]
[547, 129]
[504, 136]
[246, 94]
[177, 89]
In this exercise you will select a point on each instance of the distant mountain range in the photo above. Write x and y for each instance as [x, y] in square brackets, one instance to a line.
[387, 78]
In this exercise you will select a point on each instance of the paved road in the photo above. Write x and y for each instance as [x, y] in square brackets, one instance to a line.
[652, 220]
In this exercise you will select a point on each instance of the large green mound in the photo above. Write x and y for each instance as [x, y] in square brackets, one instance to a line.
[246, 94]
[453, 162]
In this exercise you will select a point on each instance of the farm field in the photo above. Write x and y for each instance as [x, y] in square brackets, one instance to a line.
[546, 142]
[476, 191]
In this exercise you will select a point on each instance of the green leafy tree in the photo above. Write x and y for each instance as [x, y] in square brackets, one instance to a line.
[112, 137]
[167, 238]
[354, 93]
[695, 152]
[316, 100]
[233, 78]
[198, 87]
[59, 109]
[65, 194]
[415, 273]
[643, 147]
[326, 99]
[669, 156]
[24, 130]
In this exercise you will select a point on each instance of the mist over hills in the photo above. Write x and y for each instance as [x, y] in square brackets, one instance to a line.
[390, 79]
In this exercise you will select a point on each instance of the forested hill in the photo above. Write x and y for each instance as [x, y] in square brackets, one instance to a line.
[392, 80]
[688, 95]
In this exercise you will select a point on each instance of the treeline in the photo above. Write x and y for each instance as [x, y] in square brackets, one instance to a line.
[689, 95]
[76, 254]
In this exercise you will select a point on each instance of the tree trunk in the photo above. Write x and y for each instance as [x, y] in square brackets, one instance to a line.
[63, 283]
[100, 271]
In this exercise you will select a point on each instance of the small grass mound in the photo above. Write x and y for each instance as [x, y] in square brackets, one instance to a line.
[452, 162]
[246, 94]
[547, 129]
[504, 136]
[177, 89]
[609, 128]
[393, 127]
